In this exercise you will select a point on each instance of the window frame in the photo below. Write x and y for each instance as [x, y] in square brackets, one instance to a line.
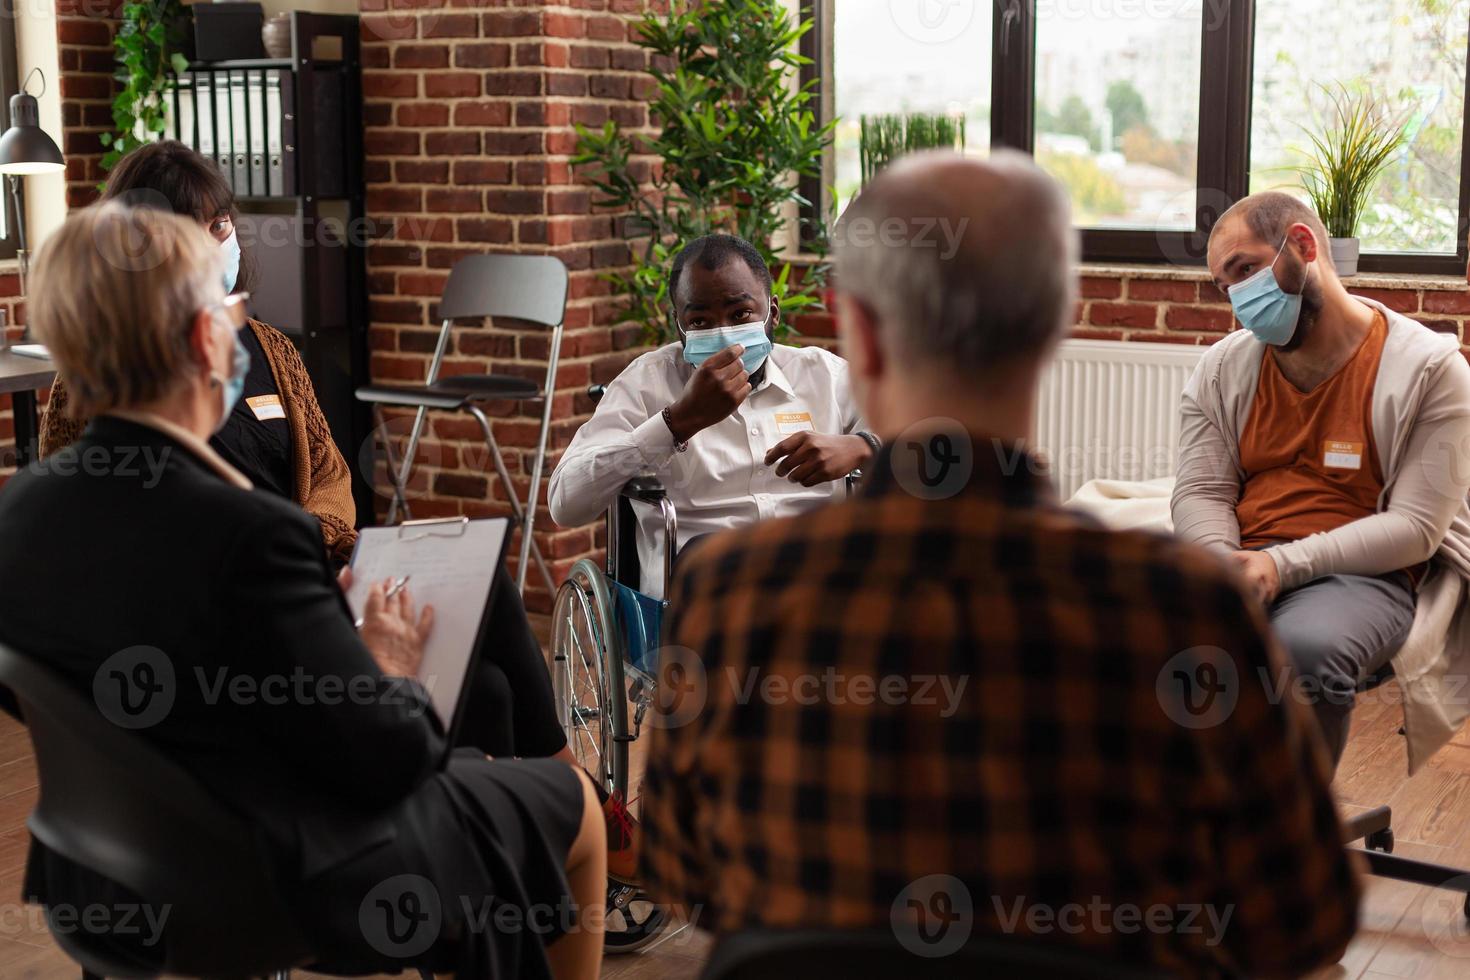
[1227, 58]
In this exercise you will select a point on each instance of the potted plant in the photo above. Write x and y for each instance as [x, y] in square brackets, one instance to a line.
[733, 129]
[885, 138]
[1346, 160]
[153, 45]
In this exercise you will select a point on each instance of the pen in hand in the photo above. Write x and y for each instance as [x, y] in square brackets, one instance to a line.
[393, 590]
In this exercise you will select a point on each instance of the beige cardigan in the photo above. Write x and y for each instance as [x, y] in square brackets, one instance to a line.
[1421, 429]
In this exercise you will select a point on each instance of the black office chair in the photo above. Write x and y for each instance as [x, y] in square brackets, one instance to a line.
[1374, 827]
[877, 954]
[114, 806]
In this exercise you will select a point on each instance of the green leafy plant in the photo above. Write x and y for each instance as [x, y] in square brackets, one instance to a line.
[1347, 157]
[885, 138]
[150, 52]
[733, 132]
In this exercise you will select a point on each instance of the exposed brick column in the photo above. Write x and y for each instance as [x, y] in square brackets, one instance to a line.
[469, 113]
[84, 30]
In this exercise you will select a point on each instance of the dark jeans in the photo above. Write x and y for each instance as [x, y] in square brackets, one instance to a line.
[1339, 631]
[511, 710]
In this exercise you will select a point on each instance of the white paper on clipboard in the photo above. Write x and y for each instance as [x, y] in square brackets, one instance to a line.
[452, 565]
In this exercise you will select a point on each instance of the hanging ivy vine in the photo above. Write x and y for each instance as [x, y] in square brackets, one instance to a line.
[150, 46]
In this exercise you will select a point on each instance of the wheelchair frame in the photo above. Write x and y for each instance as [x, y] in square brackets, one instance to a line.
[593, 679]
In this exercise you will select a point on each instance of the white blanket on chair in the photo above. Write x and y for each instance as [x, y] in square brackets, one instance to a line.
[1127, 504]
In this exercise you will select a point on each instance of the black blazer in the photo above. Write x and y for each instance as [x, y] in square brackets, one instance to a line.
[126, 539]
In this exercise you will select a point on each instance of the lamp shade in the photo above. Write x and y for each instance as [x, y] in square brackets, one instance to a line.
[25, 148]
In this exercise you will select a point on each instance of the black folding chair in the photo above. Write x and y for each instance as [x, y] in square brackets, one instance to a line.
[877, 954]
[118, 809]
[532, 288]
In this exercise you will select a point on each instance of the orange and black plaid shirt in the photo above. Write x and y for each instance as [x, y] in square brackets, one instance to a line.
[1076, 726]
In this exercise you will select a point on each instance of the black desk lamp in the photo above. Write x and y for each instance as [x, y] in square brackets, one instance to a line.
[26, 149]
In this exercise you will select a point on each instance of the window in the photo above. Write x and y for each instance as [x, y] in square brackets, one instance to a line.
[890, 60]
[1117, 112]
[1406, 55]
[1156, 116]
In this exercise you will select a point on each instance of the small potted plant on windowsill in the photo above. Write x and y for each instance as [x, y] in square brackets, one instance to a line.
[1346, 160]
[886, 138]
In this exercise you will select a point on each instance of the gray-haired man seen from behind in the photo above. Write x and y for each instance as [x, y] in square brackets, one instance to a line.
[950, 694]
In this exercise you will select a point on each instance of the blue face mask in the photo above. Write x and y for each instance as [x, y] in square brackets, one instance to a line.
[701, 345]
[231, 248]
[1264, 308]
[233, 387]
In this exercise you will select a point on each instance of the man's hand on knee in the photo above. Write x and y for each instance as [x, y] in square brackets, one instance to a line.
[1259, 571]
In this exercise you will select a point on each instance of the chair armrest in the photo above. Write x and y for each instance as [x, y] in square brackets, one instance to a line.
[647, 489]
[622, 527]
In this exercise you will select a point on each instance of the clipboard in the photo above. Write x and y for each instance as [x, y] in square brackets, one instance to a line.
[454, 564]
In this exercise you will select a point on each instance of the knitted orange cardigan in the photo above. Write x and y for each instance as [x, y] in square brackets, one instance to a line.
[323, 482]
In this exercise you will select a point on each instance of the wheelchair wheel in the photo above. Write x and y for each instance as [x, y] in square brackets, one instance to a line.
[633, 921]
[587, 676]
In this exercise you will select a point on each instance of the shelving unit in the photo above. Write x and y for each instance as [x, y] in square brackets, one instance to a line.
[309, 247]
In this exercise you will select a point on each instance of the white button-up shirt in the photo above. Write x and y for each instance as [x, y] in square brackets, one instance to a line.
[722, 481]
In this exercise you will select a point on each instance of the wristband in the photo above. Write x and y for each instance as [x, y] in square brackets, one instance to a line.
[871, 440]
[682, 447]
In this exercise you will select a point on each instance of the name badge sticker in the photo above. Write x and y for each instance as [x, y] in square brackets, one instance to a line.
[788, 423]
[266, 407]
[1342, 455]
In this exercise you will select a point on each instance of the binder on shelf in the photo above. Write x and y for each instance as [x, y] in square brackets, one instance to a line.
[184, 115]
[223, 147]
[256, 122]
[280, 130]
[240, 132]
[204, 112]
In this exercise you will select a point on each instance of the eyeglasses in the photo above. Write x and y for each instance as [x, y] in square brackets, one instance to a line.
[234, 309]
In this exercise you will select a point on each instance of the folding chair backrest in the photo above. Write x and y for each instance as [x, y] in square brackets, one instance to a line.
[523, 287]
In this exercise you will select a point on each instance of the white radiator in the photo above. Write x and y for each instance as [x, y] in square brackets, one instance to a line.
[1111, 410]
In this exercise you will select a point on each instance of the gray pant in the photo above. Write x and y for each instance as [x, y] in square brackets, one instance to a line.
[1338, 632]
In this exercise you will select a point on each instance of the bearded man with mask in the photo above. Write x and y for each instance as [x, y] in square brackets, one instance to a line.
[1324, 452]
[738, 427]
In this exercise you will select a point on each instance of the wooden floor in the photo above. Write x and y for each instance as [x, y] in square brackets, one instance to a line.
[1407, 931]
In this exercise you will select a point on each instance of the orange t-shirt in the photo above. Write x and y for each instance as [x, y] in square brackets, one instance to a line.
[1308, 457]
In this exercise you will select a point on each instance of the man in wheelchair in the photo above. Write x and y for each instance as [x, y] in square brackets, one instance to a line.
[737, 427]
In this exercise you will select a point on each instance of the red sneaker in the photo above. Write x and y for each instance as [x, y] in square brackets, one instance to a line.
[622, 841]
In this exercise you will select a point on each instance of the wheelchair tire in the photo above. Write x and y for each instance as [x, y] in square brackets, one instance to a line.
[587, 676]
[633, 921]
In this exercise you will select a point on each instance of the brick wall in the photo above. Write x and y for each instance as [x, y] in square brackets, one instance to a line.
[469, 113]
[84, 31]
[1169, 305]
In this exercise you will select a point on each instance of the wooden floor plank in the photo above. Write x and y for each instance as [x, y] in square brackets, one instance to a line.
[1395, 939]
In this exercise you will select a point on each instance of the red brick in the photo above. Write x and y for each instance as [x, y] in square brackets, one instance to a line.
[458, 201]
[482, 114]
[482, 171]
[1162, 290]
[1456, 301]
[1402, 300]
[450, 85]
[482, 55]
[1140, 315]
[1096, 287]
[1205, 318]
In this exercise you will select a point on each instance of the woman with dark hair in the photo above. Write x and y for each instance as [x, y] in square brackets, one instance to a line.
[276, 434]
